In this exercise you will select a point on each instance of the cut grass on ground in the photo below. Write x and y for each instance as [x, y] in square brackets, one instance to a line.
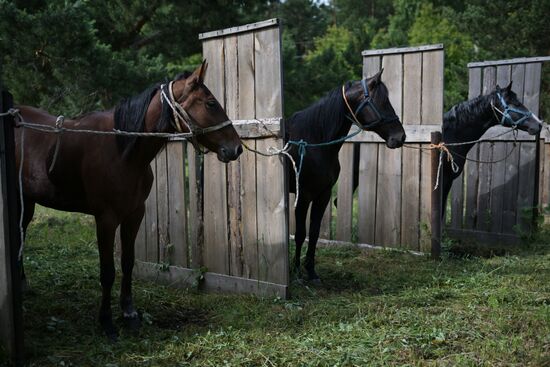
[373, 309]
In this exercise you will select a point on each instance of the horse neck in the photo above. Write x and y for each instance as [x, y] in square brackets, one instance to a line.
[468, 121]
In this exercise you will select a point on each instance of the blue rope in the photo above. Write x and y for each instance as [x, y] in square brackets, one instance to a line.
[303, 145]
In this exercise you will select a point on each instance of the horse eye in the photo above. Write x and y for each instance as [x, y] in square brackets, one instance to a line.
[211, 103]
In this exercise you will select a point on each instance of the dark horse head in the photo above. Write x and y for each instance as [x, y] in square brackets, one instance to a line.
[512, 113]
[187, 106]
[374, 112]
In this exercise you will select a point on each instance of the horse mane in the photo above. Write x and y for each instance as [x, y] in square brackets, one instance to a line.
[466, 113]
[320, 120]
[130, 115]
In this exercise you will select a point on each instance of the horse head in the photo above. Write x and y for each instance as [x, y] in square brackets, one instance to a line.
[375, 112]
[204, 116]
[510, 112]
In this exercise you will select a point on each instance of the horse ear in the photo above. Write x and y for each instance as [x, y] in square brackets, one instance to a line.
[376, 79]
[509, 87]
[498, 89]
[202, 71]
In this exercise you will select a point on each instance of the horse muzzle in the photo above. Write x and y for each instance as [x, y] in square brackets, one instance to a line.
[226, 154]
[394, 142]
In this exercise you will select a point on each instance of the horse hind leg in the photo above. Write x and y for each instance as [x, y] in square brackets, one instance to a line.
[128, 232]
[317, 210]
[300, 235]
[106, 227]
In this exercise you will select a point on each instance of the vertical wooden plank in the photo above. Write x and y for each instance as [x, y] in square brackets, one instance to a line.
[457, 202]
[410, 205]
[325, 222]
[518, 80]
[177, 208]
[503, 75]
[272, 236]
[471, 170]
[233, 168]
[498, 184]
[371, 65]
[249, 212]
[531, 93]
[216, 246]
[247, 110]
[526, 185]
[162, 207]
[393, 78]
[368, 182]
[412, 84]
[388, 205]
[511, 179]
[196, 224]
[489, 79]
[484, 190]
[545, 186]
[271, 209]
[345, 194]
[152, 253]
[542, 175]
[432, 87]
[425, 200]
[412, 103]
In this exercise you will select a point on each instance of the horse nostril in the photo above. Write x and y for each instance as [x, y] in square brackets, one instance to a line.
[403, 138]
[223, 152]
[239, 150]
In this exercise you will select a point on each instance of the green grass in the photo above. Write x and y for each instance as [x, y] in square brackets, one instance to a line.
[373, 309]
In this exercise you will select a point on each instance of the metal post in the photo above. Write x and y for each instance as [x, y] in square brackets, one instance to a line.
[436, 197]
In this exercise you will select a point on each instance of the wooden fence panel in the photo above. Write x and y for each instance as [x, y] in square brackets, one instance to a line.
[230, 218]
[500, 196]
[345, 195]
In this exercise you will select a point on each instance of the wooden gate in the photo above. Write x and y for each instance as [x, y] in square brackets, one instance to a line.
[496, 202]
[11, 319]
[230, 220]
[391, 207]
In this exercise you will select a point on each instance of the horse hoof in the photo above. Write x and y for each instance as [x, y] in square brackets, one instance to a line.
[131, 323]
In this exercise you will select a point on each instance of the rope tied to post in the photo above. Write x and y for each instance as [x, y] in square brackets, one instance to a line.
[442, 147]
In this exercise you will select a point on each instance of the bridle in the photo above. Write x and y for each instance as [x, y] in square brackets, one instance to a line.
[183, 118]
[507, 117]
[368, 102]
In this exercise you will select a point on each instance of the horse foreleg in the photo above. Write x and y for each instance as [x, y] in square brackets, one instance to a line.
[300, 235]
[28, 213]
[106, 226]
[128, 232]
[317, 210]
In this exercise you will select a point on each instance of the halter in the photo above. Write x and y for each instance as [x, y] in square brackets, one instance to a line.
[507, 117]
[368, 102]
[182, 117]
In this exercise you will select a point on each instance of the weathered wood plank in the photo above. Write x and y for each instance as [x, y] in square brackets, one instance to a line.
[526, 185]
[344, 210]
[425, 199]
[412, 84]
[482, 238]
[403, 50]
[162, 206]
[371, 65]
[247, 92]
[432, 87]
[195, 221]
[498, 184]
[503, 75]
[271, 214]
[244, 28]
[484, 190]
[388, 205]
[545, 185]
[178, 277]
[177, 207]
[511, 179]
[249, 213]
[410, 203]
[393, 78]
[532, 87]
[267, 70]
[457, 202]
[520, 60]
[518, 80]
[368, 177]
[489, 79]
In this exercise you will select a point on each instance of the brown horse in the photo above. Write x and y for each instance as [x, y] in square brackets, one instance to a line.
[109, 176]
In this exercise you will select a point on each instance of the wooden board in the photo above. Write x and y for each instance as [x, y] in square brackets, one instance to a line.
[432, 87]
[163, 205]
[425, 200]
[509, 205]
[410, 203]
[484, 190]
[177, 207]
[526, 185]
[249, 213]
[151, 222]
[368, 181]
[393, 78]
[388, 198]
[196, 224]
[344, 210]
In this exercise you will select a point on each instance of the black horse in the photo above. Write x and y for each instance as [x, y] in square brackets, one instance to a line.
[364, 103]
[469, 120]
